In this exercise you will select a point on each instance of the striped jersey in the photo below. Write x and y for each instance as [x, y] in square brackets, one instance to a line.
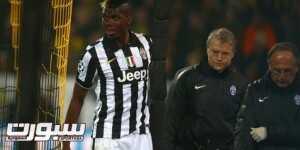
[122, 81]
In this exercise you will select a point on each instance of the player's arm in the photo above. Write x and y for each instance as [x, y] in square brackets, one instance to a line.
[74, 108]
[76, 103]
[86, 71]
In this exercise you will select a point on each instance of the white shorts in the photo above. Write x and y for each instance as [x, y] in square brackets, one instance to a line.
[130, 142]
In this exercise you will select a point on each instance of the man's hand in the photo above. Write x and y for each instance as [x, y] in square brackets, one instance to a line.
[259, 134]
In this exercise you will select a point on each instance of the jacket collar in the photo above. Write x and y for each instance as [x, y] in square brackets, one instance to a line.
[206, 69]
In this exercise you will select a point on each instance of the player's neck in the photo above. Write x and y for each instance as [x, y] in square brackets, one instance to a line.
[123, 39]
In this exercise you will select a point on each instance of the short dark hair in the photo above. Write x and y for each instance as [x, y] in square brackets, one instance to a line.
[285, 46]
[114, 3]
[222, 34]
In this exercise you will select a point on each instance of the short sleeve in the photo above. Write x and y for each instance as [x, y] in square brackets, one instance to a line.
[86, 70]
[149, 39]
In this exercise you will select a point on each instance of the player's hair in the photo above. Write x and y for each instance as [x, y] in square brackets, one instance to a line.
[222, 34]
[113, 3]
[285, 46]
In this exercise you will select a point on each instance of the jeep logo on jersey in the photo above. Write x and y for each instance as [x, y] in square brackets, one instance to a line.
[130, 75]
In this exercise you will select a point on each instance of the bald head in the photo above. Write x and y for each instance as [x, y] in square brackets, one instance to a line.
[283, 68]
[283, 57]
[285, 46]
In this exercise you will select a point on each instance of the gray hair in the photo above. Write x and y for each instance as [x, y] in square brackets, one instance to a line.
[223, 35]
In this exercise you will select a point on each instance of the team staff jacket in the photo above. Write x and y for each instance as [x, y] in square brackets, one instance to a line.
[272, 107]
[202, 108]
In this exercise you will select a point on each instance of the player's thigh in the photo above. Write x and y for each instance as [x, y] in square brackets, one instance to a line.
[143, 142]
[105, 144]
[147, 140]
[131, 142]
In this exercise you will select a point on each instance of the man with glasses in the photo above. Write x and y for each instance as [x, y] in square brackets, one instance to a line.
[269, 118]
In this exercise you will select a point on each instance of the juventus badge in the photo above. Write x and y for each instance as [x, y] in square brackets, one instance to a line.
[297, 100]
[232, 90]
[143, 53]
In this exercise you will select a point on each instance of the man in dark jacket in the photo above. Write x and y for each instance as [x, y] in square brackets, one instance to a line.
[270, 116]
[204, 100]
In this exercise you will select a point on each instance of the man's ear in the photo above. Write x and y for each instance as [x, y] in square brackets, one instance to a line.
[269, 65]
[130, 20]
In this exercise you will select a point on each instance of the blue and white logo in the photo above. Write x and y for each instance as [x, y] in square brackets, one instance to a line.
[232, 90]
[80, 67]
[297, 100]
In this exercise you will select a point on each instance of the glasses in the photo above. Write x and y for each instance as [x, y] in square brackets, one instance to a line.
[284, 72]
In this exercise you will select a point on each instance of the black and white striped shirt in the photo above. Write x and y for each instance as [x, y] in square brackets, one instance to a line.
[122, 82]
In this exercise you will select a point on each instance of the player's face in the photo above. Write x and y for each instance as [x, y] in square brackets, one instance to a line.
[283, 68]
[219, 55]
[116, 21]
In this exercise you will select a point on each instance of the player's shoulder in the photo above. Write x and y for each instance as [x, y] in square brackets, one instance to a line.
[139, 34]
[93, 45]
[143, 35]
[94, 48]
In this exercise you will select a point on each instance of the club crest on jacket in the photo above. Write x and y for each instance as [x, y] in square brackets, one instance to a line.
[232, 90]
[297, 100]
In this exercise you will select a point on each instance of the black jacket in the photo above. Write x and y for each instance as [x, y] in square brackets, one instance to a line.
[277, 109]
[201, 108]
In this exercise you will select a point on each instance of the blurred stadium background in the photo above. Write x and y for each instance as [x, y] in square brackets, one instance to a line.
[68, 26]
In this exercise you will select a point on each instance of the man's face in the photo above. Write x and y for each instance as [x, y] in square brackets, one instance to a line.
[116, 21]
[283, 68]
[219, 55]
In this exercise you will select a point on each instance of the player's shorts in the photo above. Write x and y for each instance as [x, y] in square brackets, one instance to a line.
[133, 141]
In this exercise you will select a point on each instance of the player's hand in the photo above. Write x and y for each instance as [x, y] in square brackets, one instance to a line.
[66, 145]
[259, 134]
